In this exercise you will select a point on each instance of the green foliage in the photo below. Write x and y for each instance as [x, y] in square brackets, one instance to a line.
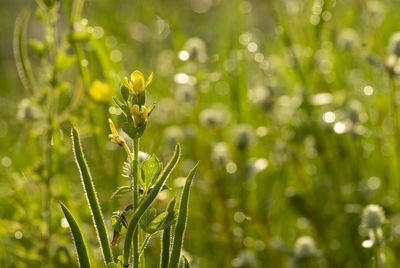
[80, 246]
[146, 202]
[91, 197]
[177, 243]
[150, 170]
[291, 106]
[20, 52]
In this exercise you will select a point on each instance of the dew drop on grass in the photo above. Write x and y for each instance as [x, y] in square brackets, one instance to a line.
[183, 55]
[262, 131]
[374, 183]
[18, 235]
[98, 32]
[367, 244]
[368, 90]
[84, 63]
[339, 127]
[252, 47]
[231, 167]
[329, 117]
[116, 55]
[181, 78]
[239, 217]
[6, 161]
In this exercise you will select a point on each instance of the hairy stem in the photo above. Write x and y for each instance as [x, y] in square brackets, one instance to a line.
[135, 192]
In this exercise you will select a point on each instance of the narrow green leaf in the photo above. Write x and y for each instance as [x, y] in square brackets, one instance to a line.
[122, 106]
[80, 246]
[121, 190]
[156, 224]
[182, 219]
[187, 263]
[23, 63]
[166, 237]
[91, 197]
[151, 108]
[147, 202]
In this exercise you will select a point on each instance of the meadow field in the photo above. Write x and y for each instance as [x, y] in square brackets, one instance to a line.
[199, 133]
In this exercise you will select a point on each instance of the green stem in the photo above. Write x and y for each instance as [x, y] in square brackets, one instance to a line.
[166, 245]
[51, 108]
[135, 197]
[144, 245]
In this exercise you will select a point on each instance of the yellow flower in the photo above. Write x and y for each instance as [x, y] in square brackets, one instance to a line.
[140, 115]
[137, 84]
[114, 136]
[100, 91]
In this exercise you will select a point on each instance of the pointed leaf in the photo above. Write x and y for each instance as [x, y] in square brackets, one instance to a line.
[151, 168]
[181, 224]
[91, 197]
[80, 246]
[121, 190]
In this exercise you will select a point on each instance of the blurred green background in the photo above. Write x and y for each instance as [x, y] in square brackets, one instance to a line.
[291, 107]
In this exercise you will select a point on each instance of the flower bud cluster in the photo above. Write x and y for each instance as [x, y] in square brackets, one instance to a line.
[133, 92]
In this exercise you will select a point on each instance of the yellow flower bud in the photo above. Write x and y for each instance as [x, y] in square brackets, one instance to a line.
[100, 91]
[114, 136]
[140, 115]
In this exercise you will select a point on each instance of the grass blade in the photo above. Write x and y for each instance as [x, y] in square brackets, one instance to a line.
[91, 197]
[182, 219]
[23, 63]
[147, 202]
[166, 238]
[80, 247]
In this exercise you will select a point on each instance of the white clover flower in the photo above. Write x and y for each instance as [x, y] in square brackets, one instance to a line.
[220, 153]
[260, 96]
[373, 216]
[196, 49]
[28, 110]
[305, 247]
[214, 117]
[185, 93]
[348, 39]
[243, 135]
[173, 134]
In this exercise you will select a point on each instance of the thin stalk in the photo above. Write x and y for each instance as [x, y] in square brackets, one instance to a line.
[166, 245]
[166, 237]
[144, 245]
[135, 197]
[51, 104]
